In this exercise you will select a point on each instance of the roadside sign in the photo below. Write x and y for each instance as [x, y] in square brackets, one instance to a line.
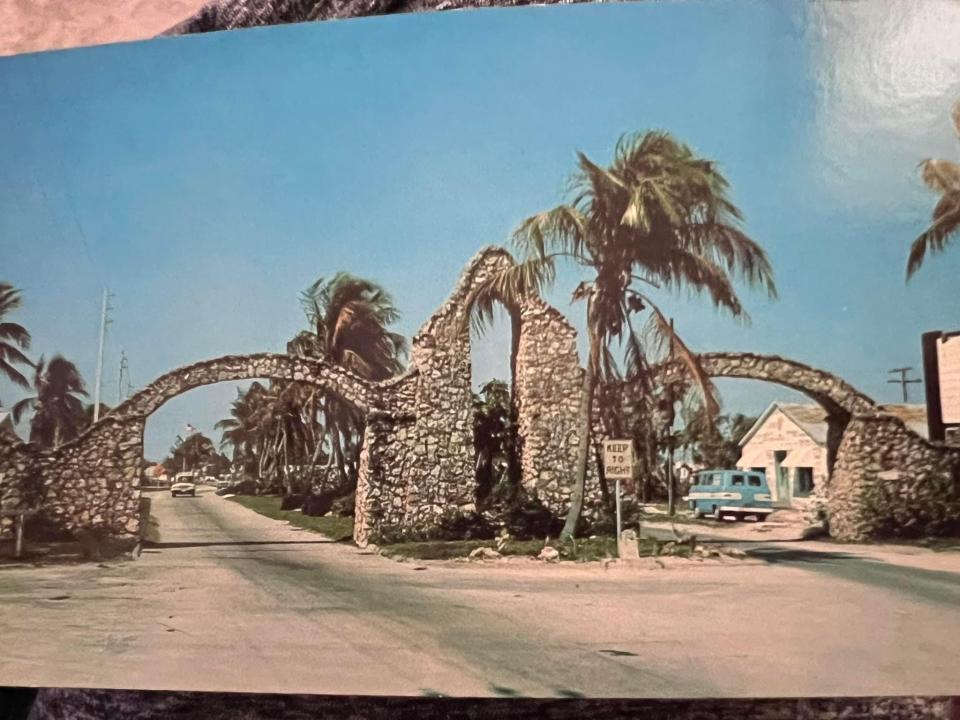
[618, 459]
[617, 465]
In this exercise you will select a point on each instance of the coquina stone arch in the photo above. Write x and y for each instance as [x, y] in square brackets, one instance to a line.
[92, 482]
[884, 480]
[417, 464]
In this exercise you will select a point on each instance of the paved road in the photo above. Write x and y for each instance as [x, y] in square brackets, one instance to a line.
[230, 600]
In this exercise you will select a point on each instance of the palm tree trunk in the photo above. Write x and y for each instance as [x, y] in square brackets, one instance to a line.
[584, 420]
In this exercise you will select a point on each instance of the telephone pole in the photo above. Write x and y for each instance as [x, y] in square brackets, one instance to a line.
[104, 321]
[903, 381]
[124, 373]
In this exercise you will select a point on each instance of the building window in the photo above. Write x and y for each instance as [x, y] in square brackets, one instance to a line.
[803, 482]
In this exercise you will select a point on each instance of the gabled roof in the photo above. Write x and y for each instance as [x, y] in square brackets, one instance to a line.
[809, 417]
[812, 419]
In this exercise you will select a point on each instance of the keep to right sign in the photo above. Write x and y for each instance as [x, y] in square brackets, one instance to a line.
[617, 459]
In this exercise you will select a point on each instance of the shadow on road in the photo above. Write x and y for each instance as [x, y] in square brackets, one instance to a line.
[233, 543]
[790, 556]
[933, 586]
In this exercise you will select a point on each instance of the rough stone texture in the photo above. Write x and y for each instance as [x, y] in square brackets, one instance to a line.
[235, 14]
[92, 483]
[890, 482]
[425, 462]
[884, 479]
[417, 462]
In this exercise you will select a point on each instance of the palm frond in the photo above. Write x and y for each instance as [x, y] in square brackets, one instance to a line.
[666, 336]
[508, 285]
[936, 237]
[942, 176]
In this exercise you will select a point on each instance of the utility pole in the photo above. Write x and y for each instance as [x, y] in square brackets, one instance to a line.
[903, 381]
[671, 491]
[104, 321]
[124, 371]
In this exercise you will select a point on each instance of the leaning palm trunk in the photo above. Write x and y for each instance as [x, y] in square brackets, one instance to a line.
[584, 419]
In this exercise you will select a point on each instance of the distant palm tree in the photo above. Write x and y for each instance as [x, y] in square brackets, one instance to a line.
[349, 325]
[941, 176]
[14, 338]
[658, 217]
[239, 431]
[492, 437]
[58, 411]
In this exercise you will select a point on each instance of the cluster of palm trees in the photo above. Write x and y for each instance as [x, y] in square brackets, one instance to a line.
[58, 411]
[657, 219]
[290, 435]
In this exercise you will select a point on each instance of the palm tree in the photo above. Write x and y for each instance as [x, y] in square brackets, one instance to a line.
[941, 176]
[239, 431]
[58, 411]
[14, 338]
[492, 436]
[349, 325]
[658, 218]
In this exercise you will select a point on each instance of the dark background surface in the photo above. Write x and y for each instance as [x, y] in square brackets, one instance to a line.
[71, 704]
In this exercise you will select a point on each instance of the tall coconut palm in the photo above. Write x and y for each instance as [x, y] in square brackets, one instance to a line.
[657, 219]
[14, 338]
[239, 431]
[349, 325]
[58, 411]
[943, 177]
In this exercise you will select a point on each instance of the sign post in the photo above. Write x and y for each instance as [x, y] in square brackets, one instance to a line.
[618, 465]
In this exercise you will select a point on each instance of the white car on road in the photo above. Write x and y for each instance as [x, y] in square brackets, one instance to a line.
[183, 484]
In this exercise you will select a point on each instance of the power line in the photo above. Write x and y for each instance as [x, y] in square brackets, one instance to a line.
[903, 381]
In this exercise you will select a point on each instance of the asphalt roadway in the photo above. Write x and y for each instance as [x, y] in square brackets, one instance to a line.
[229, 600]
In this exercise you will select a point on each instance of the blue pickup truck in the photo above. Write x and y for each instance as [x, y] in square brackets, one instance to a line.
[730, 493]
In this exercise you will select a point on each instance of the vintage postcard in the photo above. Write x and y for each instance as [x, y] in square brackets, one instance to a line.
[583, 352]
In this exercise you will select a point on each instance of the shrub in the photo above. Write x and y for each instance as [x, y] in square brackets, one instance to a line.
[291, 502]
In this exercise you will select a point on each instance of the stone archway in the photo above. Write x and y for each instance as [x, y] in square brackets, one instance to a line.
[884, 479]
[432, 451]
[93, 481]
[417, 463]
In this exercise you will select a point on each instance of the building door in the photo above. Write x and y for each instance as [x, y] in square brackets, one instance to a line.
[782, 475]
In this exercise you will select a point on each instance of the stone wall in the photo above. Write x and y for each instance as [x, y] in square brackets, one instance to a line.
[417, 461]
[428, 460]
[890, 482]
[92, 483]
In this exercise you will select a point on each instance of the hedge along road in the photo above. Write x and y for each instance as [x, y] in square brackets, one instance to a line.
[231, 600]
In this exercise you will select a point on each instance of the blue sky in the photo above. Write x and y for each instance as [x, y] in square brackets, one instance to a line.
[207, 180]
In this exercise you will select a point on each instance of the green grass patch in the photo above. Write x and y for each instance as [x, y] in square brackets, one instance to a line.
[585, 550]
[333, 526]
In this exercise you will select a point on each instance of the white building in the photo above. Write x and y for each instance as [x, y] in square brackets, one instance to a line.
[788, 442]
